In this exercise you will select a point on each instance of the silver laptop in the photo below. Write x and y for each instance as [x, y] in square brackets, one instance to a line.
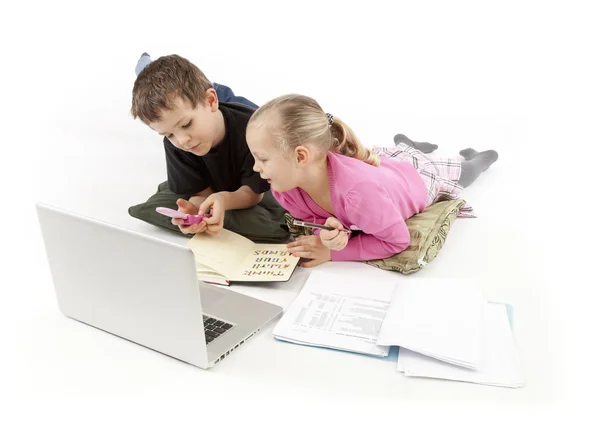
[145, 290]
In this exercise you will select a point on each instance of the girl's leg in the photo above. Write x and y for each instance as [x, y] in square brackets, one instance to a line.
[475, 164]
[420, 146]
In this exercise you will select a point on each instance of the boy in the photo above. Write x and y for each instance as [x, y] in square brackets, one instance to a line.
[205, 144]
[224, 93]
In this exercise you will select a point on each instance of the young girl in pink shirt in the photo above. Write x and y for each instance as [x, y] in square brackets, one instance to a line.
[320, 173]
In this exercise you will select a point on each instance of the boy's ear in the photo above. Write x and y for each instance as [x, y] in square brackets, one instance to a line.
[301, 155]
[211, 99]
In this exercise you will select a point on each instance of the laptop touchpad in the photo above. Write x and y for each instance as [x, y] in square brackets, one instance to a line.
[209, 296]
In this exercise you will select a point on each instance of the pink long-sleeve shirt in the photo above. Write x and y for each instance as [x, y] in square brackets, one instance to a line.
[374, 200]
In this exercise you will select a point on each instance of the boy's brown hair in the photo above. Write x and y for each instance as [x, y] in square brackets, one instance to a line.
[161, 82]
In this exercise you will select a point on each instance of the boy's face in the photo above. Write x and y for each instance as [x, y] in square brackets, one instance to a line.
[269, 161]
[195, 130]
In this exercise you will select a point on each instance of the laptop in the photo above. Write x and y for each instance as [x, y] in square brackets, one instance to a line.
[145, 290]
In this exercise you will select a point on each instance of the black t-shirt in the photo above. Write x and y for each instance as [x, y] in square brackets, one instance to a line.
[227, 167]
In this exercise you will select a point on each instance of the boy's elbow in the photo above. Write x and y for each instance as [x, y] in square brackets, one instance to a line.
[254, 199]
[259, 198]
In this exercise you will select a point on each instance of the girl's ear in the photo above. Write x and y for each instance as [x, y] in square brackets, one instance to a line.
[301, 155]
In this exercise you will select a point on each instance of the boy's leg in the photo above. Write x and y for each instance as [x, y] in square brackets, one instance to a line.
[142, 62]
[225, 94]
[424, 147]
[475, 164]
[263, 223]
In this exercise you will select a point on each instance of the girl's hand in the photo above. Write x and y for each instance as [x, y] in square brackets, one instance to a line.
[310, 247]
[334, 239]
[189, 208]
[216, 204]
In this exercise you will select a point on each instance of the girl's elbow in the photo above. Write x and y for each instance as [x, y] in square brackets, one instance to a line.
[399, 246]
[392, 249]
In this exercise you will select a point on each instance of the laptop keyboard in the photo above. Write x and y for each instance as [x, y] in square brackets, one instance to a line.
[213, 328]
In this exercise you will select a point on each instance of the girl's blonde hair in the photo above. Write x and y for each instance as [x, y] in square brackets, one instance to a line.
[298, 120]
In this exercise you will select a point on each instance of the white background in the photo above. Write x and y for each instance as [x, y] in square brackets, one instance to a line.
[517, 76]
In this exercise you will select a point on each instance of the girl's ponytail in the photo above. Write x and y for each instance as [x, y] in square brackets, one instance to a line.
[346, 143]
[298, 120]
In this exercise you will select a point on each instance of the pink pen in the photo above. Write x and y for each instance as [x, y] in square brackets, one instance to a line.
[188, 219]
[300, 223]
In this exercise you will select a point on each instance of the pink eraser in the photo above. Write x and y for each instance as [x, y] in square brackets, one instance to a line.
[188, 219]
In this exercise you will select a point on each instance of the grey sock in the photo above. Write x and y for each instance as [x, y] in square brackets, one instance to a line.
[143, 61]
[468, 153]
[475, 164]
[424, 147]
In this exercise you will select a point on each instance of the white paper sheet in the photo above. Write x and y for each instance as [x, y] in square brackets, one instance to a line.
[341, 311]
[440, 318]
[500, 365]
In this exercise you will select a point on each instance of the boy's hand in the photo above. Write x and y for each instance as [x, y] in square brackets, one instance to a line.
[189, 208]
[334, 239]
[310, 247]
[215, 205]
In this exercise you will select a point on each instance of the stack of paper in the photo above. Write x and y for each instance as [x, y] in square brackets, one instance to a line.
[499, 366]
[445, 328]
[439, 318]
[342, 312]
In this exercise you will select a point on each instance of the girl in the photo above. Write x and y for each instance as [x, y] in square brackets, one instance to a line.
[320, 173]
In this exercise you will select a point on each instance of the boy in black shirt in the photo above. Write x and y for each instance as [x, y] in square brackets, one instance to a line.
[204, 140]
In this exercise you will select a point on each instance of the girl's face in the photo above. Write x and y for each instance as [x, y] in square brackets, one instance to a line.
[269, 161]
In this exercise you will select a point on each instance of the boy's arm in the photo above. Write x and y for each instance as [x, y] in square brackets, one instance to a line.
[242, 198]
[198, 198]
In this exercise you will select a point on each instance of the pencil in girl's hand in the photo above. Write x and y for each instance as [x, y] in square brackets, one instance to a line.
[300, 223]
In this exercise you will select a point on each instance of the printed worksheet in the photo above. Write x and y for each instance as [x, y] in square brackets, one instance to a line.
[338, 311]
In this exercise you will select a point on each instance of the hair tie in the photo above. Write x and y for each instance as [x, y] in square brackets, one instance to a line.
[330, 118]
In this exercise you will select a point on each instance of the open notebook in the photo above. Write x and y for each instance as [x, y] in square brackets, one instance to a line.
[228, 256]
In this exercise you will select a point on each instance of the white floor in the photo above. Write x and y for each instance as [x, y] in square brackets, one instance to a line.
[460, 75]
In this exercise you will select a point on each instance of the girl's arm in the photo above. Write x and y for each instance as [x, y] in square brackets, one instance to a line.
[384, 230]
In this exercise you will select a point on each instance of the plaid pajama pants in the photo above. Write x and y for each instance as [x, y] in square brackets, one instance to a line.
[439, 174]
